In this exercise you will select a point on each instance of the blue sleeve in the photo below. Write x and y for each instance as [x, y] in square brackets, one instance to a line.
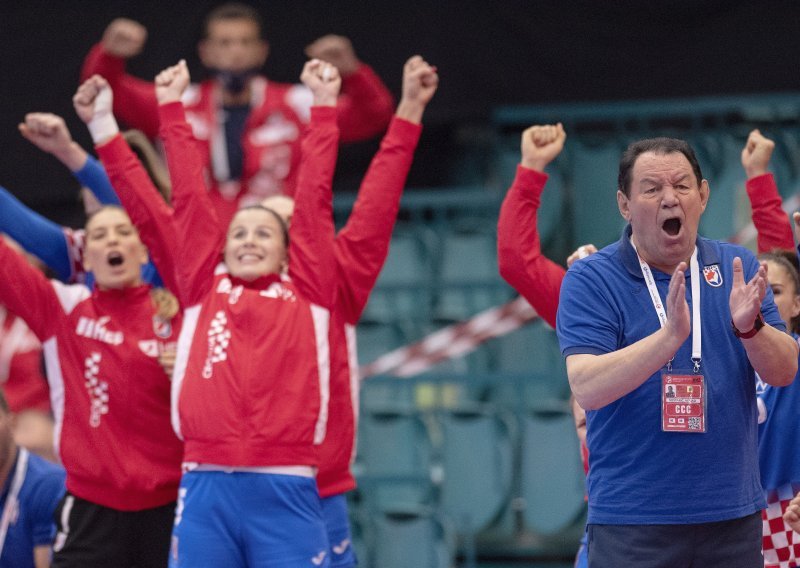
[48, 493]
[36, 234]
[151, 276]
[93, 176]
[587, 321]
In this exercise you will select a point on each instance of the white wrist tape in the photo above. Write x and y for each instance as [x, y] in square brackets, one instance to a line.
[103, 125]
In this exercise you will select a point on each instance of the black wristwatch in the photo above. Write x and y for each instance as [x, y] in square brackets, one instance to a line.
[757, 325]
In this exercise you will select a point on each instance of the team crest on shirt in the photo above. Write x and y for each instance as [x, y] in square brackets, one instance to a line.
[162, 327]
[713, 275]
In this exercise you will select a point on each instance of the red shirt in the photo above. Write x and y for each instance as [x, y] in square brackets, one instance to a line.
[24, 384]
[272, 132]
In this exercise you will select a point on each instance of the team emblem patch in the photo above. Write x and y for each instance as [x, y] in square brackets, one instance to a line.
[713, 275]
[162, 327]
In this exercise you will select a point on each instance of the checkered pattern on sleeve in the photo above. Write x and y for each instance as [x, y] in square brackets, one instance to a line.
[781, 544]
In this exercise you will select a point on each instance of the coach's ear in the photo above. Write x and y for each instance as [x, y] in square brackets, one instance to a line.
[623, 203]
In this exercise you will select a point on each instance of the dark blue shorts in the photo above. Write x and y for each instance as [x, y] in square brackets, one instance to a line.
[724, 544]
[248, 520]
[337, 521]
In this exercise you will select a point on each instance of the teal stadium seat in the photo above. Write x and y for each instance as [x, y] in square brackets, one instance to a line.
[410, 538]
[594, 167]
[552, 477]
[531, 355]
[468, 279]
[478, 469]
[395, 459]
[375, 338]
[405, 286]
[728, 208]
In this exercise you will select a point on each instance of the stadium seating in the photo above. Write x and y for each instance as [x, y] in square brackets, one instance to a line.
[435, 461]
[410, 536]
[551, 472]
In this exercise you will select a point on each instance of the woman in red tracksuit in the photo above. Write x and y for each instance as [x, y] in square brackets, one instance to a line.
[250, 387]
[109, 394]
[360, 250]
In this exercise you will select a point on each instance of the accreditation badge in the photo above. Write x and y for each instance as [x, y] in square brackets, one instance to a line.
[683, 402]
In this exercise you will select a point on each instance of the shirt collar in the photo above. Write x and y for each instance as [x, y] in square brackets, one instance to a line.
[707, 253]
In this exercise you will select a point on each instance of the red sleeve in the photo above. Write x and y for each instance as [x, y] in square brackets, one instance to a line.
[365, 106]
[134, 99]
[199, 236]
[26, 387]
[312, 265]
[27, 293]
[363, 244]
[771, 221]
[147, 209]
[519, 252]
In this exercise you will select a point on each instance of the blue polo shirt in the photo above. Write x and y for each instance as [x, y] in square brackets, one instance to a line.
[34, 524]
[779, 434]
[639, 474]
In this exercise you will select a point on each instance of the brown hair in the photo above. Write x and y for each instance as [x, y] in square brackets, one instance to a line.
[233, 11]
[661, 146]
[786, 259]
[151, 161]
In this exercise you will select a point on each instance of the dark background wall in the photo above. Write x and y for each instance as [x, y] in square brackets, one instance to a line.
[488, 53]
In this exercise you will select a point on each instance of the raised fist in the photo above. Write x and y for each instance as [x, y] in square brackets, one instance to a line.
[756, 154]
[336, 50]
[420, 80]
[46, 131]
[541, 144]
[324, 81]
[124, 38]
[172, 82]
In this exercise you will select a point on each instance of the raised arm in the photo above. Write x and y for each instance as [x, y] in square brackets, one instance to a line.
[27, 293]
[365, 104]
[36, 234]
[152, 217]
[519, 252]
[135, 101]
[313, 265]
[49, 133]
[199, 235]
[363, 244]
[771, 221]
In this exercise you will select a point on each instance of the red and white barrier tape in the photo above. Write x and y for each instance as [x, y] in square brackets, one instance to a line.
[461, 338]
[452, 341]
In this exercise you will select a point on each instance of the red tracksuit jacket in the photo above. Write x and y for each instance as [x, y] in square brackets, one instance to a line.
[361, 249]
[109, 394]
[250, 387]
[271, 138]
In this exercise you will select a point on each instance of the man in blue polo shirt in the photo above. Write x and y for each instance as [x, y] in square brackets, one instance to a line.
[31, 490]
[665, 308]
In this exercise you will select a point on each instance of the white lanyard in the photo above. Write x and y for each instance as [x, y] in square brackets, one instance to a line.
[12, 500]
[661, 312]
